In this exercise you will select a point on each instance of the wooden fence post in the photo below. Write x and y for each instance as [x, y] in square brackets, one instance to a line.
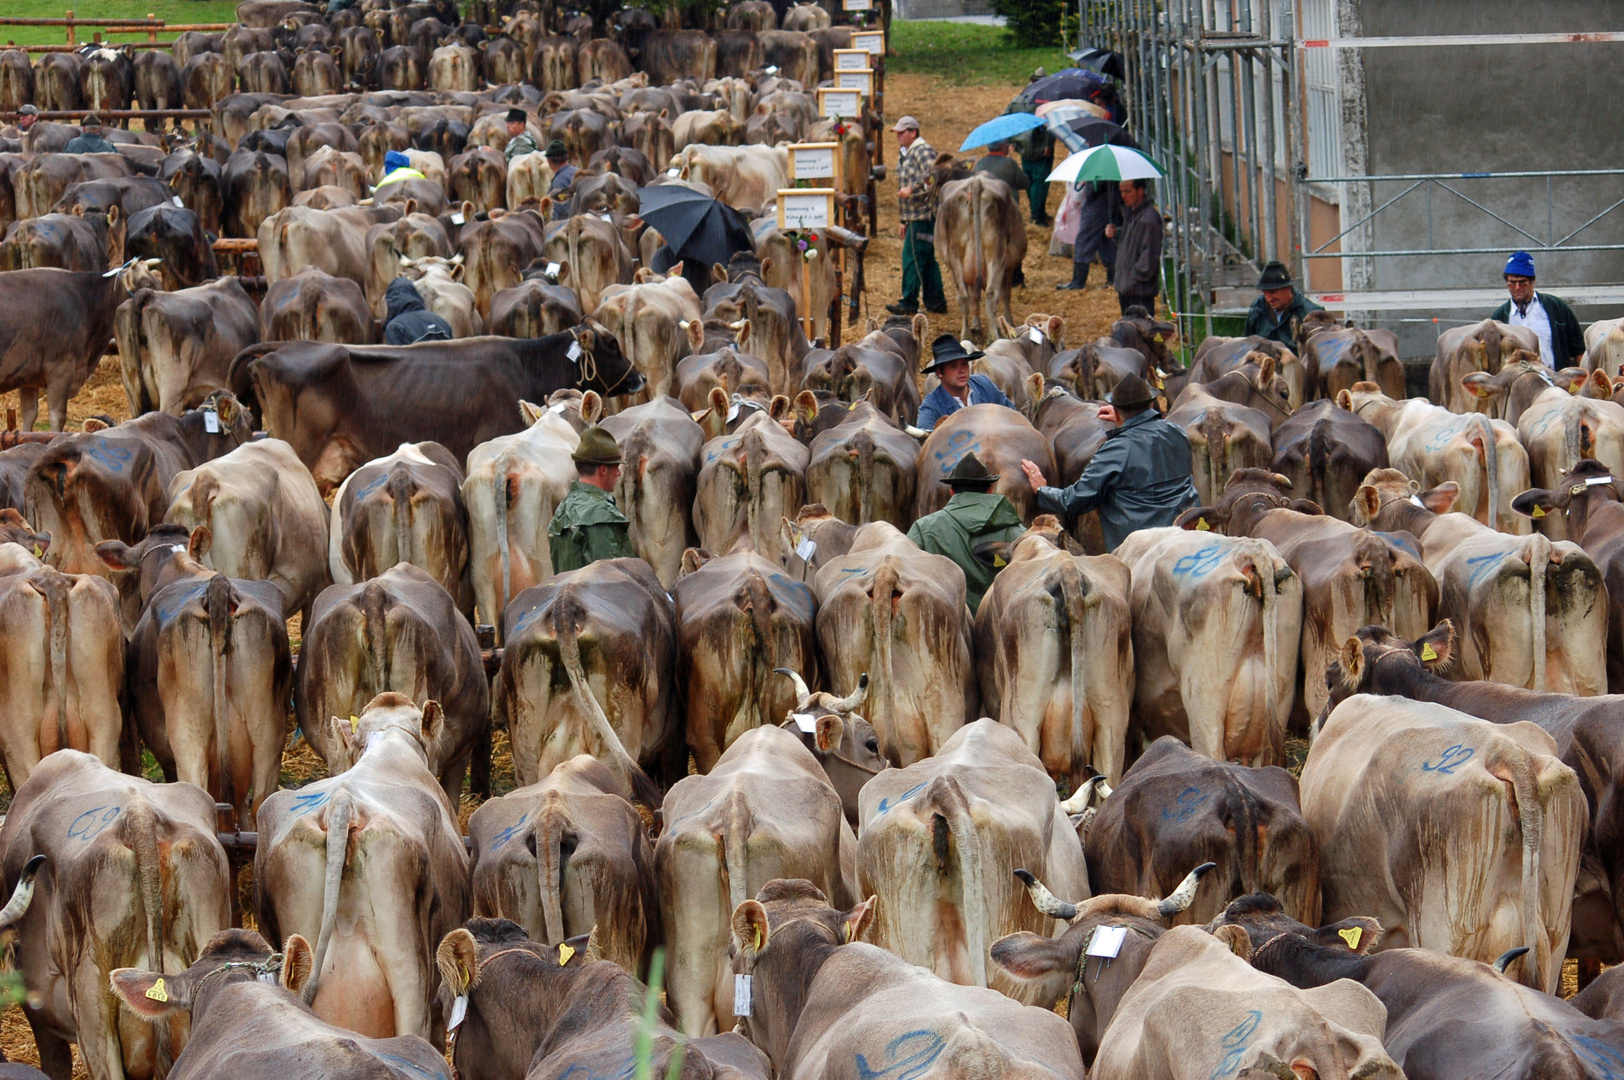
[71, 41]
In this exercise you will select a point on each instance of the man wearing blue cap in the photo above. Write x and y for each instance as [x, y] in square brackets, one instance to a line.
[1561, 342]
[397, 166]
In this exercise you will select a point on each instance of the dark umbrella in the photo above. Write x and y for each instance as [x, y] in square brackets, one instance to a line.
[1104, 61]
[1072, 83]
[695, 225]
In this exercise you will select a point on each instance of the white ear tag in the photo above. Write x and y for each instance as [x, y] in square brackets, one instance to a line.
[575, 351]
[605, 217]
[268, 977]
[556, 408]
[552, 271]
[741, 995]
[1594, 480]
[211, 421]
[177, 547]
[176, 200]
[1107, 941]
[458, 219]
[1036, 335]
[673, 172]
[1415, 500]
[459, 1010]
[806, 549]
[733, 413]
[805, 721]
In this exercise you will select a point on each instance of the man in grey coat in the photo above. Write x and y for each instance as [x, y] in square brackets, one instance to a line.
[1138, 274]
[1139, 478]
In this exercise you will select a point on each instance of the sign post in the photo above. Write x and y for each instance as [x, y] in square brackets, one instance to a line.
[815, 161]
[804, 210]
[840, 104]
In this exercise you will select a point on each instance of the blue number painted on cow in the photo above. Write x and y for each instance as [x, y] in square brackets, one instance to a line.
[1234, 1045]
[1483, 564]
[372, 485]
[1200, 563]
[110, 455]
[1607, 1062]
[958, 444]
[1443, 437]
[1450, 760]
[509, 833]
[306, 801]
[909, 1055]
[1189, 801]
[88, 825]
[410, 1066]
[886, 805]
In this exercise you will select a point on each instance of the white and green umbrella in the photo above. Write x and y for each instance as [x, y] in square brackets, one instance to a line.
[1108, 162]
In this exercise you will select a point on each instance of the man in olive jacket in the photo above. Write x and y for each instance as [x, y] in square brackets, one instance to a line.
[1139, 478]
[588, 526]
[973, 516]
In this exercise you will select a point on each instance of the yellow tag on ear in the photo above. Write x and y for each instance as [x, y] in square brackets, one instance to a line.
[1202, 526]
[564, 954]
[355, 723]
[1158, 339]
[1351, 935]
[1427, 653]
[158, 993]
[1539, 512]
[1573, 387]
[999, 562]
[757, 936]
[39, 552]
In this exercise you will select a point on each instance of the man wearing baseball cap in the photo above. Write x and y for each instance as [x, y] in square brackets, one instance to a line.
[588, 526]
[26, 116]
[1561, 342]
[1139, 478]
[916, 208]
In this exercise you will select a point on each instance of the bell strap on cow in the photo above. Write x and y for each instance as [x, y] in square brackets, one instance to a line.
[266, 970]
[587, 363]
[858, 765]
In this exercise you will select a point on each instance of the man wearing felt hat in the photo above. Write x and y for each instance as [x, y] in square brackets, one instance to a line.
[89, 140]
[519, 141]
[1561, 343]
[973, 516]
[1139, 478]
[950, 360]
[588, 526]
[1278, 314]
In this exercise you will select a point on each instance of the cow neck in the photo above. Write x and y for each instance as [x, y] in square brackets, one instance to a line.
[1413, 518]
[859, 766]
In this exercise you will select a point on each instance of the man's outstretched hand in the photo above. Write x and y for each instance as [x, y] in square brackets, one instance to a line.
[1034, 475]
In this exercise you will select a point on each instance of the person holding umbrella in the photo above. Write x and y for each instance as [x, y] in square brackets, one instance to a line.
[1101, 210]
[916, 209]
[699, 231]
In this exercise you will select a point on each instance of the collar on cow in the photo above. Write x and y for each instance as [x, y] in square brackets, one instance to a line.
[1083, 957]
[587, 364]
[1363, 405]
[858, 765]
[270, 966]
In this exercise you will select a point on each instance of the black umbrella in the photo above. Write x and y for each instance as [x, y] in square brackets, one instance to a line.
[1093, 131]
[1070, 84]
[1103, 61]
[695, 226]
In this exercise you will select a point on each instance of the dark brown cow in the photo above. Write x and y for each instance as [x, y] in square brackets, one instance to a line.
[533, 308]
[871, 368]
[775, 331]
[661, 445]
[670, 55]
[255, 186]
[312, 305]
[1000, 437]
[176, 348]
[195, 179]
[495, 251]
[78, 242]
[1325, 452]
[176, 237]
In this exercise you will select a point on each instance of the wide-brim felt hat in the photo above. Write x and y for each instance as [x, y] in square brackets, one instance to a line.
[947, 348]
[598, 447]
[970, 472]
[1275, 276]
[1131, 391]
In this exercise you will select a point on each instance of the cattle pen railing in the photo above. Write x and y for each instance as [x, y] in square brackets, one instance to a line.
[151, 26]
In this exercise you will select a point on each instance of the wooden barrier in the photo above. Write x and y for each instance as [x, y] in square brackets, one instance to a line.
[118, 114]
[233, 246]
[150, 26]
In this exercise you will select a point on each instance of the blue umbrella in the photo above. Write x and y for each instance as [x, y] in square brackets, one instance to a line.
[1002, 127]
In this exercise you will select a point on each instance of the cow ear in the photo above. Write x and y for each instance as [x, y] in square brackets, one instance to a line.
[692, 559]
[742, 334]
[298, 960]
[779, 409]
[343, 733]
[112, 215]
[856, 922]
[1352, 659]
[1200, 519]
[1031, 956]
[150, 996]
[591, 406]
[530, 412]
[92, 424]
[1360, 933]
[1601, 384]
[563, 271]
[718, 274]
[118, 555]
[694, 331]
[1534, 503]
[1056, 329]
[750, 931]
[458, 961]
[433, 723]
[806, 407]
[201, 540]
[1034, 388]
[1266, 369]
[1436, 647]
[767, 265]
[1344, 400]
[1441, 498]
[1367, 501]
[830, 729]
[226, 408]
[993, 553]
[1478, 383]
[1235, 939]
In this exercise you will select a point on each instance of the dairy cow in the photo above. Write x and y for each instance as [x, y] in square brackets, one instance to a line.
[748, 480]
[404, 508]
[999, 438]
[312, 305]
[176, 348]
[1325, 450]
[646, 319]
[862, 468]
[661, 446]
[1484, 346]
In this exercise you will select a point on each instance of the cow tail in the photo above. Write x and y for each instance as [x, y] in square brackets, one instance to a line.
[978, 195]
[1491, 463]
[54, 587]
[865, 477]
[1539, 559]
[142, 832]
[1271, 639]
[567, 618]
[549, 836]
[1319, 460]
[129, 331]
[1572, 437]
[884, 715]
[1242, 810]
[1531, 819]
[503, 488]
[761, 646]
[1074, 592]
[338, 842]
[375, 615]
[951, 821]
[217, 602]
[400, 491]
[735, 851]
[754, 451]
[204, 490]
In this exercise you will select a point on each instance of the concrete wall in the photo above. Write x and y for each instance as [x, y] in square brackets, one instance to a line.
[1492, 108]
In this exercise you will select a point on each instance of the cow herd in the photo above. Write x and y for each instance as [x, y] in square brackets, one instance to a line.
[776, 754]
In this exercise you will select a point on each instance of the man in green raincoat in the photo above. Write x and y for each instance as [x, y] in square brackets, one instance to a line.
[973, 516]
[588, 526]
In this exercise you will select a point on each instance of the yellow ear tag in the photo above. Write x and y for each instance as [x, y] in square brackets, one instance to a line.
[39, 552]
[564, 954]
[1573, 387]
[158, 993]
[1158, 339]
[757, 936]
[999, 562]
[1539, 512]
[1202, 526]
[355, 723]
[1427, 653]
[1351, 935]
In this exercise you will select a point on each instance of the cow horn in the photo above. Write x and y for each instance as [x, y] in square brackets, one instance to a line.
[1084, 795]
[1506, 959]
[801, 692]
[1044, 900]
[1181, 898]
[855, 698]
[17, 906]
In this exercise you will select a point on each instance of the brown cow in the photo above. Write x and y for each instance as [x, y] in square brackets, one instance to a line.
[594, 252]
[863, 468]
[747, 481]
[1334, 359]
[1462, 350]
[176, 348]
[1000, 437]
[312, 305]
[404, 508]
[646, 318]
[982, 239]
[1325, 450]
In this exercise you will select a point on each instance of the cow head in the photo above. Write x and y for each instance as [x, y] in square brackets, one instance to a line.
[140, 570]
[602, 366]
[1587, 486]
[1389, 501]
[388, 718]
[1247, 494]
[15, 529]
[231, 956]
[1264, 918]
[1377, 661]
[844, 743]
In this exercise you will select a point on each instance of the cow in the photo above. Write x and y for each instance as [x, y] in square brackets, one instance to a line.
[195, 179]
[812, 540]
[661, 446]
[54, 327]
[343, 406]
[1224, 437]
[176, 348]
[999, 437]
[1325, 450]
[646, 319]
[745, 176]
[981, 238]
[763, 810]
[747, 481]
[820, 997]
[404, 508]
[1215, 358]
[1530, 610]
[255, 187]
[330, 240]
[862, 468]
[174, 238]
[399, 631]
[312, 305]
[929, 832]
[1215, 626]
[607, 623]
[77, 242]
[495, 251]
[1462, 350]
[1054, 653]
[389, 824]
[775, 333]
[533, 308]
[873, 366]
[1335, 358]
[568, 856]
[136, 877]
[1432, 445]
[1604, 347]
[1408, 799]
[595, 254]
[395, 244]
[205, 80]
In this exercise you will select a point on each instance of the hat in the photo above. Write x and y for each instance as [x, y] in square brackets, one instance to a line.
[946, 349]
[1130, 392]
[394, 159]
[95, 121]
[28, 110]
[517, 116]
[907, 123]
[556, 150]
[999, 147]
[1521, 263]
[1275, 276]
[598, 447]
[969, 472]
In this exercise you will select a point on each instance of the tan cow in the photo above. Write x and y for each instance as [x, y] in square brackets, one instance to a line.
[938, 840]
[765, 811]
[843, 742]
[330, 167]
[1433, 445]
[333, 241]
[569, 856]
[742, 176]
[1199, 1010]
[266, 518]
[749, 481]
[439, 282]
[1054, 653]
[1000, 438]
[1215, 626]
[63, 666]
[370, 866]
[1531, 612]
[1484, 346]
[660, 443]
[529, 179]
[175, 349]
[514, 483]
[981, 238]
[863, 468]
[891, 610]
[136, 877]
[645, 319]
[392, 244]
[1223, 437]
[698, 127]
[1457, 834]
[591, 256]
[1604, 347]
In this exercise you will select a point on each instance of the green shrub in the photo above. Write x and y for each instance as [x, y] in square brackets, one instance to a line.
[1032, 24]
